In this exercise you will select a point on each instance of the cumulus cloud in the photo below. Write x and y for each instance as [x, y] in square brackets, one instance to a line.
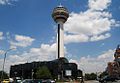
[76, 38]
[101, 37]
[2, 52]
[43, 53]
[1, 36]
[93, 24]
[48, 52]
[21, 41]
[4, 2]
[99, 4]
[95, 64]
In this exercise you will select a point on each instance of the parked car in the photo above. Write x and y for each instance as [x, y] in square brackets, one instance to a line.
[48, 81]
[27, 81]
[32, 81]
[17, 80]
[37, 81]
[107, 78]
[6, 81]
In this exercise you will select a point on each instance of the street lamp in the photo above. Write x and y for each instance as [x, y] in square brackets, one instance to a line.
[2, 76]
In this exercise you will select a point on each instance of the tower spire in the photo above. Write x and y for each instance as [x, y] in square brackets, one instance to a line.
[60, 5]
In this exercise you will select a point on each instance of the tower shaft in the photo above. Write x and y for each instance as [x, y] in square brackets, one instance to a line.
[60, 41]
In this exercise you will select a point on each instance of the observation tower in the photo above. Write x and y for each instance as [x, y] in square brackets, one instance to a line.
[60, 15]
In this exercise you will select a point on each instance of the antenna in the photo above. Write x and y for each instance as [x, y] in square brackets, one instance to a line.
[60, 5]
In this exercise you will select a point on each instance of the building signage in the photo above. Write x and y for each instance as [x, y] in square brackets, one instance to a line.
[68, 72]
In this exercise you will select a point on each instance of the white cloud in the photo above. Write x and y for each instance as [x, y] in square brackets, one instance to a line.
[75, 38]
[4, 2]
[43, 53]
[99, 4]
[107, 55]
[21, 41]
[2, 52]
[101, 37]
[90, 25]
[95, 64]
[48, 52]
[1, 36]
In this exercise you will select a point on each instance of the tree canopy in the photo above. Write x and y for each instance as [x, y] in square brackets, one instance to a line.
[5, 75]
[91, 76]
[43, 73]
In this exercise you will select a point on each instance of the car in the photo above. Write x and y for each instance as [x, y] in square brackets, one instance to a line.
[37, 81]
[107, 78]
[11, 80]
[32, 81]
[48, 81]
[27, 81]
[17, 80]
[6, 81]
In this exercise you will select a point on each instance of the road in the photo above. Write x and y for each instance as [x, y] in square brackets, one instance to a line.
[93, 81]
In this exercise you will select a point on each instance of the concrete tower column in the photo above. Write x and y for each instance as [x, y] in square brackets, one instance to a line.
[60, 40]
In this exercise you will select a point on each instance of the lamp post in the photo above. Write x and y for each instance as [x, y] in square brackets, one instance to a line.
[2, 76]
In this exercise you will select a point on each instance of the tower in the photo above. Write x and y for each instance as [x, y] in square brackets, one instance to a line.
[60, 15]
[117, 54]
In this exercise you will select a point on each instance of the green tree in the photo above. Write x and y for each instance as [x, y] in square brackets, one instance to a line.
[94, 76]
[103, 74]
[91, 76]
[43, 73]
[5, 75]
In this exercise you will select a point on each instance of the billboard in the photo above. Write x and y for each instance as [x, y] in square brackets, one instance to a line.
[68, 72]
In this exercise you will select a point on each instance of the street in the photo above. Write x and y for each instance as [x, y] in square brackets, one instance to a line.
[93, 81]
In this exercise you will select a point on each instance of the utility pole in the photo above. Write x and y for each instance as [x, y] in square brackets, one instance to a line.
[2, 76]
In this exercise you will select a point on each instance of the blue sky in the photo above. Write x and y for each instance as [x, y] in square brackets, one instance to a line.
[91, 32]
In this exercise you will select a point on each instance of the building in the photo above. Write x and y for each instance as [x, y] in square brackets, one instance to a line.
[113, 68]
[59, 68]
